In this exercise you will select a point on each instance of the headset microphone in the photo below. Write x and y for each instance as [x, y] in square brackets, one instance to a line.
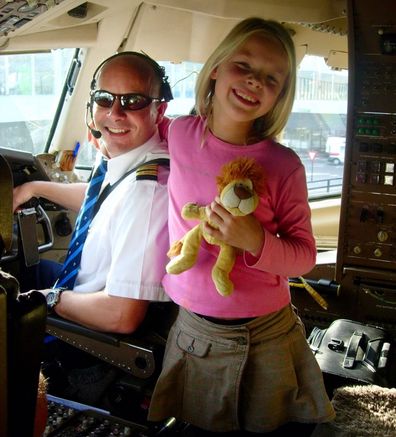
[95, 133]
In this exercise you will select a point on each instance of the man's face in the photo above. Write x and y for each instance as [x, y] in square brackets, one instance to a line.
[123, 130]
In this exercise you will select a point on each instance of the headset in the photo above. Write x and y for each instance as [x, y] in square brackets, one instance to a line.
[159, 71]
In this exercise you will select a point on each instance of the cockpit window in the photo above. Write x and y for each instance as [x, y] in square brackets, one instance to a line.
[316, 128]
[30, 88]
[31, 85]
[182, 78]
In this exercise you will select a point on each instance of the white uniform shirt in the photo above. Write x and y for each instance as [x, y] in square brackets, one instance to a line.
[125, 250]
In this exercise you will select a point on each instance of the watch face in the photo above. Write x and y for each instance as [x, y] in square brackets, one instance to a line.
[52, 298]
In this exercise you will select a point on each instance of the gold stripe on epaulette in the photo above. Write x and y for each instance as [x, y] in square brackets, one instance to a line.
[149, 171]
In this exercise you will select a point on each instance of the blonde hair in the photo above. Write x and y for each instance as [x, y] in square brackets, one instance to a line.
[271, 124]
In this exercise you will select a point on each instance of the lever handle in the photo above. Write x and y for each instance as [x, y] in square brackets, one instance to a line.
[352, 349]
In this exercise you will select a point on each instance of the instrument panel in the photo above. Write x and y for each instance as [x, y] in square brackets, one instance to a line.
[366, 259]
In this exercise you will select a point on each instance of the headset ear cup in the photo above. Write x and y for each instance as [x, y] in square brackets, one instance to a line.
[90, 106]
[95, 133]
[166, 92]
[88, 110]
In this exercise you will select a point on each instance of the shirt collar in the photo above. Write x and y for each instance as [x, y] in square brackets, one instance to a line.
[151, 149]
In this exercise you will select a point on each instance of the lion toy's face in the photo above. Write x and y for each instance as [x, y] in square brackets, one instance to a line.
[239, 198]
[240, 183]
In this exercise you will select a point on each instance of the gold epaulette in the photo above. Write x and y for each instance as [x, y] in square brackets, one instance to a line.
[148, 171]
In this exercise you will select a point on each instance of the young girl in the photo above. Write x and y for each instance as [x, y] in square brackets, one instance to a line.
[241, 362]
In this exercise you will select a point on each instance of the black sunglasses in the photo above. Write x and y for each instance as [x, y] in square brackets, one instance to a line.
[130, 102]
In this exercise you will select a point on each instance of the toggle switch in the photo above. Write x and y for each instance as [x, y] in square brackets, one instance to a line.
[364, 214]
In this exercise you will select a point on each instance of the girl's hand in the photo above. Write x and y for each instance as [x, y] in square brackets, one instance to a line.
[244, 232]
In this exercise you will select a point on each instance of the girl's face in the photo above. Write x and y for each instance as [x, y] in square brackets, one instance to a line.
[248, 83]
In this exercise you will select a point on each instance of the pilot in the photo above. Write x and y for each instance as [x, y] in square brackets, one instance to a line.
[109, 284]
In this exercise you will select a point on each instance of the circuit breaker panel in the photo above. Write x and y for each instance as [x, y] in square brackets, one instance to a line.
[366, 259]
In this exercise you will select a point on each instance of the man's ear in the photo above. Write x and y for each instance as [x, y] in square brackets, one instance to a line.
[161, 108]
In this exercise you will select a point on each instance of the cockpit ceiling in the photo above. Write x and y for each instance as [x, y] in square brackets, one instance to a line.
[177, 29]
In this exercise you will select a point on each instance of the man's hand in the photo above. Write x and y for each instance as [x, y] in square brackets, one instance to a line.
[22, 194]
[44, 292]
[70, 196]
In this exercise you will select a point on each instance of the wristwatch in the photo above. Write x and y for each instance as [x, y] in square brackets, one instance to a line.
[53, 297]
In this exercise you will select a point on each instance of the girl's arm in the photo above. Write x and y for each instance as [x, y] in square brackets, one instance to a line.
[291, 249]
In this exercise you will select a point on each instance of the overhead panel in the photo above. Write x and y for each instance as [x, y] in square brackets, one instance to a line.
[15, 14]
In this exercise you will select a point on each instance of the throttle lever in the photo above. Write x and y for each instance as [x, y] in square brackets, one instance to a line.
[45, 222]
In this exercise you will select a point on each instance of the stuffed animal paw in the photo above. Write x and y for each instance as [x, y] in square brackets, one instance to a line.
[239, 184]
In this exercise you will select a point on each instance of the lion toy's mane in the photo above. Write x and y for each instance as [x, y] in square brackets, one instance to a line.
[242, 168]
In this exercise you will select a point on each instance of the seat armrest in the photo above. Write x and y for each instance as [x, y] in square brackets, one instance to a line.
[133, 355]
[66, 325]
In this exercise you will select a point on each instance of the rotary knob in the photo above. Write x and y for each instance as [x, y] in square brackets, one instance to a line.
[357, 250]
[382, 236]
[378, 253]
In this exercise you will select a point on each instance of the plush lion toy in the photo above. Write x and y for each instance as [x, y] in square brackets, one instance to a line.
[239, 184]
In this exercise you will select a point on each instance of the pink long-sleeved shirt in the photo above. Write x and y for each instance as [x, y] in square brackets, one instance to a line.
[261, 284]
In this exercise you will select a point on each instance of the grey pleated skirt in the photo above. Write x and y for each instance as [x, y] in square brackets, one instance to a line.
[254, 377]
